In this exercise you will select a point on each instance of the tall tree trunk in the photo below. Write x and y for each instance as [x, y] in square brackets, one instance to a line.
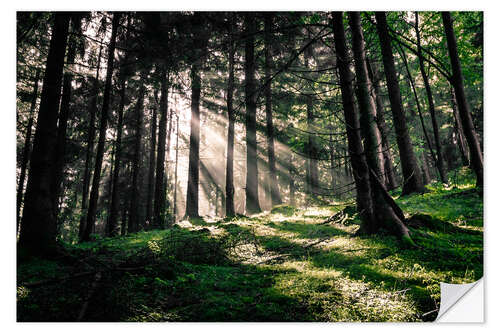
[312, 182]
[275, 193]
[58, 171]
[26, 150]
[194, 146]
[112, 225]
[411, 172]
[464, 151]
[134, 222]
[390, 176]
[160, 195]
[385, 214]
[252, 178]
[89, 151]
[355, 147]
[169, 221]
[332, 162]
[419, 109]
[176, 164]
[291, 176]
[432, 111]
[94, 193]
[463, 106]
[39, 229]
[230, 129]
[425, 169]
[151, 171]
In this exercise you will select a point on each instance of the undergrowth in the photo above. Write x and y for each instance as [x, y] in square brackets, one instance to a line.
[289, 264]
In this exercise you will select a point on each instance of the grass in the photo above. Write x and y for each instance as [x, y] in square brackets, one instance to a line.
[284, 265]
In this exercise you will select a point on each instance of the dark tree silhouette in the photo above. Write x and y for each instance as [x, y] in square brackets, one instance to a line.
[96, 180]
[39, 225]
[411, 173]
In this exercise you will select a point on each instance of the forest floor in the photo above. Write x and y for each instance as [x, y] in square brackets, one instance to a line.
[291, 264]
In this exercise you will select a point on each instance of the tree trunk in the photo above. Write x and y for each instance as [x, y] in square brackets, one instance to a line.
[176, 164]
[38, 232]
[151, 171]
[160, 195]
[194, 146]
[411, 173]
[94, 193]
[384, 213]
[275, 194]
[463, 106]
[26, 150]
[356, 153]
[425, 169]
[291, 175]
[112, 226]
[252, 178]
[89, 151]
[230, 129]
[419, 109]
[58, 171]
[464, 151]
[312, 182]
[390, 176]
[432, 111]
[134, 222]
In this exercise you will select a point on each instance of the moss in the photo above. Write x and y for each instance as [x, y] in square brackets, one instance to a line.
[277, 266]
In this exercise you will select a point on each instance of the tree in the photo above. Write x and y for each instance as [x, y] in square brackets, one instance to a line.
[252, 178]
[26, 149]
[39, 225]
[411, 173]
[275, 193]
[457, 81]
[89, 150]
[64, 114]
[194, 145]
[94, 193]
[230, 120]
[160, 195]
[135, 222]
[430, 100]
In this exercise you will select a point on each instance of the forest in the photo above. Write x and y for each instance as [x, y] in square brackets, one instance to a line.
[246, 166]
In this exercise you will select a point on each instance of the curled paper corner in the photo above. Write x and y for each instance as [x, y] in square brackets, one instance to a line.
[461, 303]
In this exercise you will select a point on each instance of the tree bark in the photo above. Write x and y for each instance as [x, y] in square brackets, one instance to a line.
[112, 226]
[194, 146]
[135, 222]
[411, 173]
[432, 111]
[151, 171]
[160, 195]
[39, 229]
[390, 176]
[463, 106]
[94, 193]
[252, 178]
[26, 150]
[275, 193]
[464, 151]
[64, 111]
[89, 151]
[230, 129]
[356, 153]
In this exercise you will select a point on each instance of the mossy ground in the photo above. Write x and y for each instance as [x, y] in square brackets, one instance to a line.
[284, 265]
